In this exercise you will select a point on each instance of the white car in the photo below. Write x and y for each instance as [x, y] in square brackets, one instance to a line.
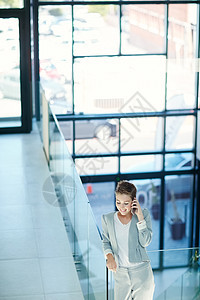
[10, 85]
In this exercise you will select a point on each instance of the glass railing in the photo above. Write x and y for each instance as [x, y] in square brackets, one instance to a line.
[172, 283]
[183, 283]
[79, 221]
[178, 274]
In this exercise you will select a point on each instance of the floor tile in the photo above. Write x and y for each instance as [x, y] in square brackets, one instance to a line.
[59, 275]
[15, 217]
[35, 174]
[10, 177]
[14, 195]
[52, 242]
[68, 296]
[35, 256]
[35, 297]
[16, 244]
[46, 216]
[20, 277]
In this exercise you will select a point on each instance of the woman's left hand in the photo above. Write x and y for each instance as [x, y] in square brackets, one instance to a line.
[137, 209]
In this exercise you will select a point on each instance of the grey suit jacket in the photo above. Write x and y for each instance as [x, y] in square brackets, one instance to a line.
[137, 242]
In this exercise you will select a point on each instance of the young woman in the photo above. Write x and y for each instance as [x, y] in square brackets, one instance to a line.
[126, 233]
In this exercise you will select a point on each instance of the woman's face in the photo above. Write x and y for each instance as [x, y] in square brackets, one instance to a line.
[123, 203]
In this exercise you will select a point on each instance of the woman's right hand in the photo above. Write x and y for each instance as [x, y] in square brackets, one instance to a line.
[111, 263]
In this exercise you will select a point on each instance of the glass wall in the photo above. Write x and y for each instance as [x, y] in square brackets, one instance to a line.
[55, 56]
[10, 82]
[11, 3]
[15, 67]
[123, 80]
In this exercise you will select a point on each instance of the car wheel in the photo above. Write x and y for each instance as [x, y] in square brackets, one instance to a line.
[103, 132]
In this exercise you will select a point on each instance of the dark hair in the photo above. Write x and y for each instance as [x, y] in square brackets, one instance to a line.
[125, 187]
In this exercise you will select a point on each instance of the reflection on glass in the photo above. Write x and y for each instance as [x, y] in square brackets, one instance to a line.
[178, 195]
[66, 128]
[141, 134]
[96, 165]
[92, 136]
[181, 56]
[10, 88]
[143, 29]
[172, 283]
[179, 161]
[141, 163]
[148, 195]
[96, 136]
[96, 29]
[199, 96]
[180, 283]
[126, 86]
[82, 232]
[179, 132]
[12, 3]
[102, 199]
[198, 137]
[55, 34]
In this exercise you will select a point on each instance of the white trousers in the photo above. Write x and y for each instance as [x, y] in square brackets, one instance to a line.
[135, 283]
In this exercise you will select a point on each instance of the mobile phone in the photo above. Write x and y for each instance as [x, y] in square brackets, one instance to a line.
[133, 209]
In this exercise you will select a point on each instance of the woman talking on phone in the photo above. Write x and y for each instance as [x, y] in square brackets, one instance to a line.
[126, 234]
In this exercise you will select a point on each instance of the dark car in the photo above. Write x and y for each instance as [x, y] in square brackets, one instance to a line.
[87, 129]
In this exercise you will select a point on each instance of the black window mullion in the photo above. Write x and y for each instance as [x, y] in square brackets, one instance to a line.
[120, 29]
[196, 188]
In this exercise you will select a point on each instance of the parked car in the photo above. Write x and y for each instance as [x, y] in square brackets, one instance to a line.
[10, 87]
[54, 90]
[48, 70]
[10, 84]
[87, 129]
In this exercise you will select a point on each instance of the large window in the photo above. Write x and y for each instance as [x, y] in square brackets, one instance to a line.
[123, 79]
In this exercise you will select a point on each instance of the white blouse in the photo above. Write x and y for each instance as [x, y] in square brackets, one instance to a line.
[122, 233]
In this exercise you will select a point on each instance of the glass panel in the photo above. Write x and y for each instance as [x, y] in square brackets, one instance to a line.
[102, 199]
[11, 3]
[82, 232]
[172, 283]
[66, 128]
[179, 283]
[10, 88]
[199, 96]
[178, 200]
[96, 136]
[141, 163]
[198, 135]
[55, 34]
[126, 86]
[191, 282]
[181, 56]
[179, 161]
[141, 134]
[148, 195]
[96, 262]
[97, 165]
[96, 29]
[179, 132]
[92, 136]
[143, 29]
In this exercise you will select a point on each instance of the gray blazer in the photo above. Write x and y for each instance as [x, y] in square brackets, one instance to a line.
[138, 239]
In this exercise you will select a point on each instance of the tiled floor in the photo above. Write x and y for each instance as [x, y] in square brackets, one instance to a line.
[35, 256]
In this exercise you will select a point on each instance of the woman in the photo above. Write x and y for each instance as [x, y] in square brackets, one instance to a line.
[126, 233]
